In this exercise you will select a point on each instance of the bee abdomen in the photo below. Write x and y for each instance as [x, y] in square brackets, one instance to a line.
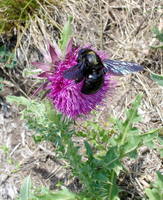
[91, 85]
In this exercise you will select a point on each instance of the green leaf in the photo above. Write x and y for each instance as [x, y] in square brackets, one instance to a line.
[111, 159]
[158, 78]
[126, 128]
[160, 37]
[59, 195]
[155, 30]
[157, 47]
[18, 100]
[7, 57]
[156, 192]
[159, 34]
[31, 72]
[88, 150]
[26, 193]
[66, 34]
[50, 111]
[113, 188]
[10, 66]
[161, 153]
[160, 180]
[25, 190]
[131, 145]
[1, 84]
[149, 138]
[152, 194]
[2, 52]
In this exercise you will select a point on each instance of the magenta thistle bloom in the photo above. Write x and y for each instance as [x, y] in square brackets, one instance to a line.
[65, 94]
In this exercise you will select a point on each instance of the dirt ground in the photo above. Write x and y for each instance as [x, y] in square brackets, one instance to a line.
[121, 28]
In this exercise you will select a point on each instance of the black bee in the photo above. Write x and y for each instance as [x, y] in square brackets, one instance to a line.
[91, 69]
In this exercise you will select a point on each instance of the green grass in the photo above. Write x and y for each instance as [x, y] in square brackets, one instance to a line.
[16, 12]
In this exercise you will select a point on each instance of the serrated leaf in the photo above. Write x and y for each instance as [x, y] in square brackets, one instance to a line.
[158, 78]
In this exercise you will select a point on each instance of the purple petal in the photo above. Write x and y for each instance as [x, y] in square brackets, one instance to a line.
[43, 75]
[53, 54]
[57, 50]
[44, 66]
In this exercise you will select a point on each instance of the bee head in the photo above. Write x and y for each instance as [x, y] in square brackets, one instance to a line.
[88, 56]
[92, 58]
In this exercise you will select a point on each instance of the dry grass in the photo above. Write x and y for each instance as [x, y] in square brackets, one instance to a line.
[123, 29]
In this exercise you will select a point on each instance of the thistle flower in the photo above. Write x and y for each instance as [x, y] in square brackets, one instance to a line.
[65, 94]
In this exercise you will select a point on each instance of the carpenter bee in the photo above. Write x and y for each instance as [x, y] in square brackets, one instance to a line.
[91, 70]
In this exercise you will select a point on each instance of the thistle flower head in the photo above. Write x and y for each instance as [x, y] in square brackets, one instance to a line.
[65, 94]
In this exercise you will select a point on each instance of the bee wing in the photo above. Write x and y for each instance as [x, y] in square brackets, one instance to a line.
[120, 68]
[74, 73]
